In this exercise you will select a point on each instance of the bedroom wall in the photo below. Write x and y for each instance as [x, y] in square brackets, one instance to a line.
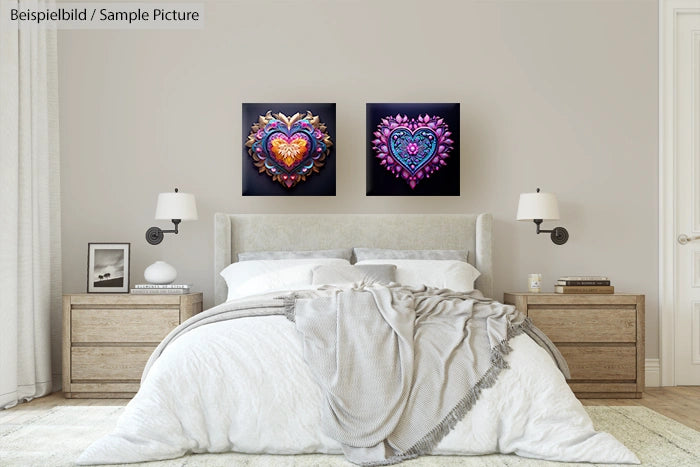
[554, 94]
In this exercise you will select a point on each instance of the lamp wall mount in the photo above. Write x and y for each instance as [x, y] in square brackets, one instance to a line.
[559, 235]
[155, 235]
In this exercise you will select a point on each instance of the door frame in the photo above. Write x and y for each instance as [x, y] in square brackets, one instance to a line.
[669, 10]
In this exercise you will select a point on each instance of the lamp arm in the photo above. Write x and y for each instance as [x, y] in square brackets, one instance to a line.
[559, 235]
[538, 222]
[176, 222]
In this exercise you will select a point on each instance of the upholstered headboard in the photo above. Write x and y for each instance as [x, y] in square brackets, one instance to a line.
[234, 233]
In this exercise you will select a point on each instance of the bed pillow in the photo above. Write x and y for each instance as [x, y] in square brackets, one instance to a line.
[362, 254]
[253, 277]
[443, 274]
[344, 253]
[345, 274]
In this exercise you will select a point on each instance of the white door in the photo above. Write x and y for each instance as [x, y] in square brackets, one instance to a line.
[687, 198]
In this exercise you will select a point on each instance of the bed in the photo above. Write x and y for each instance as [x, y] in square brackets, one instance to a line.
[251, 374]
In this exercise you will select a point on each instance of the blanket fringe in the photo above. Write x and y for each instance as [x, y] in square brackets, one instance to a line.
[289, 302]
[498, 363]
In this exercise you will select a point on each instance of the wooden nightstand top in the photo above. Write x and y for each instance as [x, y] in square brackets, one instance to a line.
[544, 298]
[570, 294]
[132, 299]
[81, 294]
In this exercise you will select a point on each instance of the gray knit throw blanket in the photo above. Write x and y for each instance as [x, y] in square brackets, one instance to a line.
[400, 367]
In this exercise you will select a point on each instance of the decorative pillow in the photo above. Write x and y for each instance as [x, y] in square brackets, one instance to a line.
[339, 275]
[362, 254]
[345, 253]
[444, 274]
[253, 277]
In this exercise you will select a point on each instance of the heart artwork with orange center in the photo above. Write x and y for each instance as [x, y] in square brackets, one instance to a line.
[289, 149]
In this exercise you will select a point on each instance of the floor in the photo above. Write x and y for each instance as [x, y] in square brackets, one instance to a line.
[679, 403]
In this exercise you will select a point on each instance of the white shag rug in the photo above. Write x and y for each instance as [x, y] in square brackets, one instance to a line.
[55, 437]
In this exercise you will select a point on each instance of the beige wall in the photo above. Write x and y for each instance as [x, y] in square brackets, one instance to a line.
[556, 94]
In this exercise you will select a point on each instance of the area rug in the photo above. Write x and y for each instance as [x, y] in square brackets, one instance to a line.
[56, 436]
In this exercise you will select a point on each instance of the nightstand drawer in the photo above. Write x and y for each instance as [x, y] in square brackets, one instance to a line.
[122, 325]
[586, 324]
[600, 362]
[109, 363]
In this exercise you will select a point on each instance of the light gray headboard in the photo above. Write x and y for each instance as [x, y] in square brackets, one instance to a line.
[234, 233]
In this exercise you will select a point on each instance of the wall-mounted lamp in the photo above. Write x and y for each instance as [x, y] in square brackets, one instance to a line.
[174, 206]
[539, 207]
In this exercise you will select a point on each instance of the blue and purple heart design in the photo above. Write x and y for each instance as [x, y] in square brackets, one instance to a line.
[412, 148]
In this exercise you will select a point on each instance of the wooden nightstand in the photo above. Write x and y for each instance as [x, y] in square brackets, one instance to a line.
[600, 336]
[107, 339]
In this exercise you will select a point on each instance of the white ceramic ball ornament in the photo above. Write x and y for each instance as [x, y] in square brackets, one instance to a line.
[160, 273]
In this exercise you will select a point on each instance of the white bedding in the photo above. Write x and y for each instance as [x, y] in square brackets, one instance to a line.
[242, 385]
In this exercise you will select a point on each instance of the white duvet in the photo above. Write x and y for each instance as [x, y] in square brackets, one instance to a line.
[242, 385]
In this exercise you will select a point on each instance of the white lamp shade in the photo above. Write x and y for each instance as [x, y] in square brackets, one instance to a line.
[538, 206]
[176, 206]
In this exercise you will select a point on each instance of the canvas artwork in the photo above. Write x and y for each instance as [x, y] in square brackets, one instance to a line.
[413, 149]
[289, 149]
[108, 267]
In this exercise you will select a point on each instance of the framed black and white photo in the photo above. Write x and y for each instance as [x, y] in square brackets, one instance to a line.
[108, 268]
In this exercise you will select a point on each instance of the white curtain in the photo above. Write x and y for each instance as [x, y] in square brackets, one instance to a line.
[30, 248]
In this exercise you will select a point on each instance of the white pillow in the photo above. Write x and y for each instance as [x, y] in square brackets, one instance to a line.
[261, 276]
[363, 273]
[443, 274]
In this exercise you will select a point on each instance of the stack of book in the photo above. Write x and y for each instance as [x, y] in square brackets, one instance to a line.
[583, 284]
[170, 289]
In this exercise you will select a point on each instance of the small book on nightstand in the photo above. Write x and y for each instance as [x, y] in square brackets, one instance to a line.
[160, 289]
[584, 289]
[584, 285]
[582, 282]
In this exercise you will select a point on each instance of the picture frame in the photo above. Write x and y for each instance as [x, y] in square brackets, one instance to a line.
[108, 267]
[413, 149]
[289, 149]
